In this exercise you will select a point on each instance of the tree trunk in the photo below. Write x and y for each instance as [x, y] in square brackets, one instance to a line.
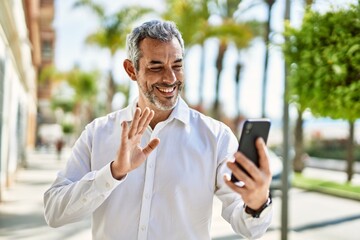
[270, 3]
[239, 118]
[350, 151]
[309, 2]
[110, 92]
[219, 66]
[237, 88]
[298, 162]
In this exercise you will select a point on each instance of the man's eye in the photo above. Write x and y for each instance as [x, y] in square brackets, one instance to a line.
[155, 69]
[179, 67]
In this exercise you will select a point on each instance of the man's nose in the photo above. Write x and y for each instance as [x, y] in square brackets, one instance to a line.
[169, 76]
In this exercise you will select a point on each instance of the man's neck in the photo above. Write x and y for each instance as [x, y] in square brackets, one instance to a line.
[159, 116]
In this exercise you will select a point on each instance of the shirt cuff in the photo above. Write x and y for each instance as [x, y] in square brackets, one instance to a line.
[263, 215]
[104, 181]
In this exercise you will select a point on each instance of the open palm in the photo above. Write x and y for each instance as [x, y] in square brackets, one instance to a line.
[130, 154]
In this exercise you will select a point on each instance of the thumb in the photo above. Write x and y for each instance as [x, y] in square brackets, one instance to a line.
[151, 146]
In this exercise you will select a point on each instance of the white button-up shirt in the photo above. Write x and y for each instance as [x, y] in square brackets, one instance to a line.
[170, 196]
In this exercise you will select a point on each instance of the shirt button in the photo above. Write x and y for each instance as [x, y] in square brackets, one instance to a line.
[143, 228]
[107, 185]
[151, 165]
[84, 200]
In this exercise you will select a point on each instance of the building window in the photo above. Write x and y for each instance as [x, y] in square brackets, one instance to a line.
[46, 50]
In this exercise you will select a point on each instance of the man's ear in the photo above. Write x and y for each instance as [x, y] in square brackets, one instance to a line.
[130, 69]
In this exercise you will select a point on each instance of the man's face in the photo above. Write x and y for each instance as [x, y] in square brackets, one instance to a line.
[160, 76]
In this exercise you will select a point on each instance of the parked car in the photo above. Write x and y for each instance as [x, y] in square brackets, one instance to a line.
[276, 166]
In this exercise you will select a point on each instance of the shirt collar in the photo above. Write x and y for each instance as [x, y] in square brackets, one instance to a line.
[181, 111]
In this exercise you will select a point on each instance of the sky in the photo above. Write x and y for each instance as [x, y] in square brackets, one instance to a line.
[73, 25]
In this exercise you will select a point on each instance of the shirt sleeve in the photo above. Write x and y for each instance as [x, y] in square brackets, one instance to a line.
[77, 191]
[232, 204]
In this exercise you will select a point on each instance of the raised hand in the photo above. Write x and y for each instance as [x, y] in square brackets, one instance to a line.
[130, 154]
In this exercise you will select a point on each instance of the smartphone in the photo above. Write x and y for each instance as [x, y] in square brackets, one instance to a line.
[252, 129]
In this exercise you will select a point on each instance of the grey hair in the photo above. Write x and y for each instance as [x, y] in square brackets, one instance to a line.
[160, 30]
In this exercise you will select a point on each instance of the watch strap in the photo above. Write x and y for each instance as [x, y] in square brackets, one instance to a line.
[256, 213]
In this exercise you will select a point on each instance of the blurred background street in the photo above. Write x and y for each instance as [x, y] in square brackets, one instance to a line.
[61, 67]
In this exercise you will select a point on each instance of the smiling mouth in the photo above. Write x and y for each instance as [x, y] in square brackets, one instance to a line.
[166, 90]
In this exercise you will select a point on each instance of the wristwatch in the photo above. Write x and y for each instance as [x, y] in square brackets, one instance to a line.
[256, 213]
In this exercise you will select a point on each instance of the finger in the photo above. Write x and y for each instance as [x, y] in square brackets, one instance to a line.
[124, 132]
[264, 163]
[240, 175]
[151, 146]
[147, 122]
[237, 171]
[251, 168]
[135, 122]
[143, 119]
[124, 137]
[233, 186]
[247, 164]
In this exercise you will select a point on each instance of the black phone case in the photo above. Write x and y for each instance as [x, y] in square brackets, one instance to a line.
[252, 129]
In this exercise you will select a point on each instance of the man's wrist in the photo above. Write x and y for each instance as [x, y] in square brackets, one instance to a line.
[257, 213]
[116, 176]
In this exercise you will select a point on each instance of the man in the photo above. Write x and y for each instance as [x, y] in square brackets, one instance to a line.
[150, 171]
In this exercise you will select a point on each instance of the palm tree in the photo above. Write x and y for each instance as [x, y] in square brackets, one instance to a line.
[229, 31]
[85, 86]
[112, 35]
[191, 18]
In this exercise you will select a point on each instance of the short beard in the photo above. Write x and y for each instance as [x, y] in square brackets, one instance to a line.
[161, 105]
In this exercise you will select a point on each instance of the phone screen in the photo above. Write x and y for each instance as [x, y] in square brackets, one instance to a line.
[252, 129]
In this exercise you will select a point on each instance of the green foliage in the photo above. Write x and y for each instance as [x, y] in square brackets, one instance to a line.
[191, 18]
[67, 105]
[84, 84]
[230, 31]
[324, 60]
[345, 190]
[49, 73]
[113, 27]
[68, 128]
[331, 148]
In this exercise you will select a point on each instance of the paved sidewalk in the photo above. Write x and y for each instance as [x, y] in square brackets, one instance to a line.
[21, 212]
[312, 214]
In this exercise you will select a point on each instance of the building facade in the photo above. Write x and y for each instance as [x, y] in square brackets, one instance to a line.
[26, 46]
